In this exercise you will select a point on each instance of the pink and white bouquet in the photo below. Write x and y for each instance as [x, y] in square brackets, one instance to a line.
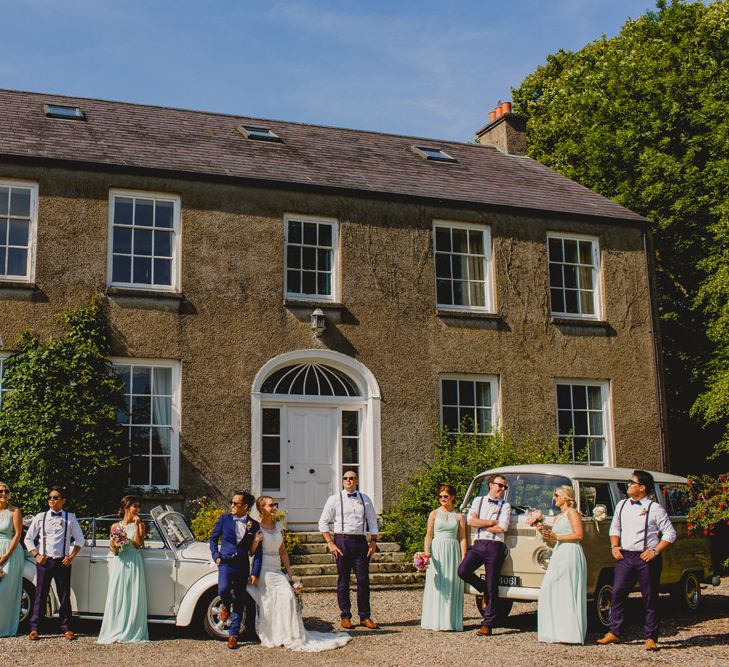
[299, 593]
[117, 539]
[421, 560]
[535, 519]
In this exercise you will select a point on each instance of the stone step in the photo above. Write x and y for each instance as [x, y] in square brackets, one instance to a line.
[331, 568]
[326, 558]
[377, 581]
[311, 536]
[322, 548]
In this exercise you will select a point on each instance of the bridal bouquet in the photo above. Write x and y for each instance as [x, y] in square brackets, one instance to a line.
[535, 519]
[2, 573]
[117, 540]
[299, 593]
[421, 560]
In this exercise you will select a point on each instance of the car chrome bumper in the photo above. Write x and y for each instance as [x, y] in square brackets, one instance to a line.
[512, 593]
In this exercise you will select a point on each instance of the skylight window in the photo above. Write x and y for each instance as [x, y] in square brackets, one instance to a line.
[433, 153]
[63, 111]
[259, 133]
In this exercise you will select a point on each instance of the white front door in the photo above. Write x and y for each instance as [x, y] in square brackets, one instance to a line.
[311, 460]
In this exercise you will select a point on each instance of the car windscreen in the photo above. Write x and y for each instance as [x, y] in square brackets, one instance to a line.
[176, 528]
[526, 490]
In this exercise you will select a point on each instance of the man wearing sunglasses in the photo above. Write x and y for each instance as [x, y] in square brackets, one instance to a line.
[489, 516]
[353, 515]
[640, 531]
[49, 540]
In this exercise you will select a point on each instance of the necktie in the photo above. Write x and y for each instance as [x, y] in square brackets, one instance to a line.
[351, 495]
[635, 502]
[56, 513]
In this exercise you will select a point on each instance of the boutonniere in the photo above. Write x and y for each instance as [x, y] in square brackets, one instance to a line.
[249, 525]
[643, 512]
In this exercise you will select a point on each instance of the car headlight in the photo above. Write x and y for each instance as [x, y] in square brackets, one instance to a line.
[543, 556]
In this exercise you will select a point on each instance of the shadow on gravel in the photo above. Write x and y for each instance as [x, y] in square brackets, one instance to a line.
[696, 640]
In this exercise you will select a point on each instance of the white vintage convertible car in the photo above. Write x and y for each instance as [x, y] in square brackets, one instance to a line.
[182, 583]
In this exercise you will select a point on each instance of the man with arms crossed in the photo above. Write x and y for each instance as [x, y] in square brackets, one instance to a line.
[353, 515]
[640, 531]
[489, 516]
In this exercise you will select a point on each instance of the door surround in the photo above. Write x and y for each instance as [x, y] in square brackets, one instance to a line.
[370, 452]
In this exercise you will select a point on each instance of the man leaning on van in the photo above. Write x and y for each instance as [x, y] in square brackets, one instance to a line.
[639, 533]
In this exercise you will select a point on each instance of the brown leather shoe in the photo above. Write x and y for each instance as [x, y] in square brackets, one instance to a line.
[347, 624]
[483, 631]
[609, 638]
[232, 642]
[33, 635]
[650, 645]
[369, 624]
[69, 634]
[223, 613]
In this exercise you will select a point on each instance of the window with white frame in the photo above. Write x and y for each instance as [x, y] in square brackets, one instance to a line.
[469, 404]
[151, 391]
[18, 219]
[311, 258]
[462, 266]
[144, 240]
[574, 276]
[583, 420]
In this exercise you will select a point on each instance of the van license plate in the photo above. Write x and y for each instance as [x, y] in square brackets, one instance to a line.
[509, 581]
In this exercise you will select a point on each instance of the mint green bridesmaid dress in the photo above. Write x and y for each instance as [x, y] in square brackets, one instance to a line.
[11, 585]
[562, 608]
[443, 595]
[125, 611]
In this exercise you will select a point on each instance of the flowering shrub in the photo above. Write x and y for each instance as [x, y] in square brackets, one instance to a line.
[205, 515]
[710, 505]
[291, 540]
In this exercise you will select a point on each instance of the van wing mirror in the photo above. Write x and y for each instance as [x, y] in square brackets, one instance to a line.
[599, 513]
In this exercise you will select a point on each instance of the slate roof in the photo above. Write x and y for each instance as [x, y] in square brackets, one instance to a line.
[200, 143]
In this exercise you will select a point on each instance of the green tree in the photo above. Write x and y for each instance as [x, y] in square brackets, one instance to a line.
[643, 118]
[58, 422]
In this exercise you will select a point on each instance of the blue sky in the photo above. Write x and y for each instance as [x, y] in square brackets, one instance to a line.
[424, 68]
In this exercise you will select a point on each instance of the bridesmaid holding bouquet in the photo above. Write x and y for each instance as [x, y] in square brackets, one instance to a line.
[125, 612]
[445, 542]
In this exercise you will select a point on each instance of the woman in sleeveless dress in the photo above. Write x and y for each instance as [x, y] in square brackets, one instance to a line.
[11, 564]
[562, 609]
[445, 541]
[125, 612]
[278, 619]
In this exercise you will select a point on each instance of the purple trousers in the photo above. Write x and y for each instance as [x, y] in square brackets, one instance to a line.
[648, 575]
[491, 554]
[354, 555]
[52, 570]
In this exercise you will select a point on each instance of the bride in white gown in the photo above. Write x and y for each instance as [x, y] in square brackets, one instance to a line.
[278, 620]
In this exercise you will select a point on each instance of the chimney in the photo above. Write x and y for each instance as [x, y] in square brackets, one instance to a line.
[505, 130]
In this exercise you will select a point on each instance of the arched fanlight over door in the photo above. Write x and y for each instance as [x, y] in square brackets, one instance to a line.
[309, 379]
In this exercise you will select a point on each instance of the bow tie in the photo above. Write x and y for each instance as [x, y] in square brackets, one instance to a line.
[635, 502]
[242, 518]
[56, 513]
[493, 502]
[351, 495]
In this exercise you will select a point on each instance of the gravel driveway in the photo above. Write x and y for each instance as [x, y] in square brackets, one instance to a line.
[700, 640]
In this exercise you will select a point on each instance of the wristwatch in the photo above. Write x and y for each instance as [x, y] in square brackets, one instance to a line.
[655, 552]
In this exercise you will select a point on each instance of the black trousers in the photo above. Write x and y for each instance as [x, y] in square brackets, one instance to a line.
[52, 570]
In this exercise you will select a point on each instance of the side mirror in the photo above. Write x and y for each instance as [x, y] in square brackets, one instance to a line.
[599, 513]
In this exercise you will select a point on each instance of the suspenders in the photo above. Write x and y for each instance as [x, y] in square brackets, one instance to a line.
[498, 514]
[645, 528]
[341, 509]
[43, 532]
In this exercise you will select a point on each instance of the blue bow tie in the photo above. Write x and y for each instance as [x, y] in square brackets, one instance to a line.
[635, 502]
[56, 513]
[494, 502]
[351, 495]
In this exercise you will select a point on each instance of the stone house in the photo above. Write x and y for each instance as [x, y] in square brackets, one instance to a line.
[287, 299]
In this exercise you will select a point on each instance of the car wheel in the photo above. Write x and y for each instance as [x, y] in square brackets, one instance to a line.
[503, 607]
[687, 595]
[210, 604]
[601, 608]
[26, 606]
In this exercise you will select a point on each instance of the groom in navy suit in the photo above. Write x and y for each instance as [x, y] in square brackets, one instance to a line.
[230, 543]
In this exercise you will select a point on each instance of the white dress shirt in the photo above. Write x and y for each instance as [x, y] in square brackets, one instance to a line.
[359, 514]
[490, 509]
[240, 526]
[56, 527]
[629, 524]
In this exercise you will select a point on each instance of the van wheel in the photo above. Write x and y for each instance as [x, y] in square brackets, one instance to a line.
[687, 594]
[601, 607]
[503, 607]
[209, 616]
[27, 598]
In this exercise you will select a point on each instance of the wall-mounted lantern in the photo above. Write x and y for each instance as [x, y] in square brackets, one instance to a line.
[318, 322]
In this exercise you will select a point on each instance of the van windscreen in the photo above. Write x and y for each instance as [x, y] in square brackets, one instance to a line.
[528, 490]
